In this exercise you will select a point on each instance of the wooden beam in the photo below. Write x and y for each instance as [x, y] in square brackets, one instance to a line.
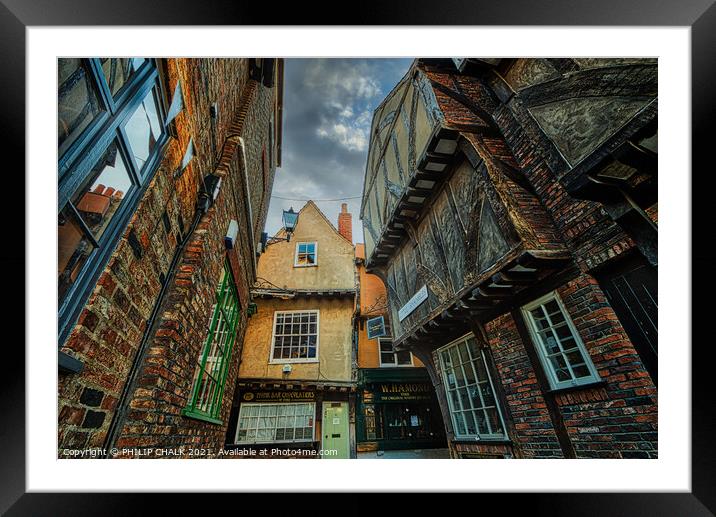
[514, 278]
[422, 192]
[538, 259]
[494, 293]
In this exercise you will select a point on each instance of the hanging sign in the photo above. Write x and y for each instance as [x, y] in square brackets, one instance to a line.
[413, 303]
[376, 327]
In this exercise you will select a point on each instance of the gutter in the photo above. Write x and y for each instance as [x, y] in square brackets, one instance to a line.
[249, 211]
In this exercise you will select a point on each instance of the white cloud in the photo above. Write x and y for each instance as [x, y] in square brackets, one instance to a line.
[345, 79]
[349, 136]
[345, 87]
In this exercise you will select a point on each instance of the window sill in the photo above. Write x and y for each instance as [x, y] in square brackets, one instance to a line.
[284, 445]
[294, 361]
[576, 387]
[490, 441]
[305, 265]
[189, 413]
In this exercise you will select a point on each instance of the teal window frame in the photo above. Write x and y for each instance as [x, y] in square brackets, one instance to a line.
[210, 376]
[78, 156]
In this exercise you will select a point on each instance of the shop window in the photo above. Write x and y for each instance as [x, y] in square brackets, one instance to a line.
[389, 358]
[471, 397]
[295, 337]
[306, 254]
[260, 423]
[213, 362]
[373, 422]
[110, 134]
[559, 347]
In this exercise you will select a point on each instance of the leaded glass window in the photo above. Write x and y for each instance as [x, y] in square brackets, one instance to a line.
[473, 407]
[295, 336]
[560, 349]
[274, 422]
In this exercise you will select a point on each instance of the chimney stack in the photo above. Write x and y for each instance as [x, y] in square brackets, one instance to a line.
[345, 222]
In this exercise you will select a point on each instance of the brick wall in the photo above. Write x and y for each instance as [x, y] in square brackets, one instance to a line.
[113, 321]
[532, 427]
[615, 419]
[584, 226]
[620, 418]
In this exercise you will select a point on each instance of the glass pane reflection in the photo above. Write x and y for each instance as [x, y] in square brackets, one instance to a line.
[104, 191]
[144, 129]
[117, 71]
[78, 103]
[73, 250]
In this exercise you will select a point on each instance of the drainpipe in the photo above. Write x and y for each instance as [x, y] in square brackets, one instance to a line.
[249, 211]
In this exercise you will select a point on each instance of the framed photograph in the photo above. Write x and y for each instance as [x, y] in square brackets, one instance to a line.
[482, 186]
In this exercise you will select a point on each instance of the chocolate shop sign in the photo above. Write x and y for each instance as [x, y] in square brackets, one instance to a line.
[278, 396]
[400, 391]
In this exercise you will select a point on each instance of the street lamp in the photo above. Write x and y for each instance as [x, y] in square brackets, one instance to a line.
[290, 218]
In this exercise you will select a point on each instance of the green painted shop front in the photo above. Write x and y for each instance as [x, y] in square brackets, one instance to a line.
[397, 409]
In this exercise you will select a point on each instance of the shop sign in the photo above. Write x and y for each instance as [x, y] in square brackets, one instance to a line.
[413, 303]
[278, 396]
[376, 327]
[398, 392]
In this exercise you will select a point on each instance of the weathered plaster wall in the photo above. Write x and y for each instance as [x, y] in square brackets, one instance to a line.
[334, 267]
[334, 345]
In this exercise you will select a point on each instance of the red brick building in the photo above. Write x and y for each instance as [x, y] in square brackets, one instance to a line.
[165, 172]
[510, 207]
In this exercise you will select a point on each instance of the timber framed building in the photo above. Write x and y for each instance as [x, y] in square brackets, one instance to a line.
[510, 207]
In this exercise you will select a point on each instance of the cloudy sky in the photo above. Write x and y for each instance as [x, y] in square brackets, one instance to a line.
[328, 107]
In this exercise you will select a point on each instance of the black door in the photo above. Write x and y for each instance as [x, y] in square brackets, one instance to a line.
[631, 288]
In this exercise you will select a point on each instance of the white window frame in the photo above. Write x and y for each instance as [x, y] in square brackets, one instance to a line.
[556, 384]
[244, 407]
[453, 411]
[394, 364]
[296, 359]
[295, 255]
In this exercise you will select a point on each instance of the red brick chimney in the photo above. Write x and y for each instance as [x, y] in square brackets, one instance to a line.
[345, 222]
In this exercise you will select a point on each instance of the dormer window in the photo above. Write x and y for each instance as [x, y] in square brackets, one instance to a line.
[306, 254]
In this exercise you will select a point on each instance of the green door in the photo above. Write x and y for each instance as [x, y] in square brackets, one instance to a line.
[335, 430]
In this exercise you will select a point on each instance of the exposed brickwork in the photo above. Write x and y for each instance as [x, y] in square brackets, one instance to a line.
[533, 430]
[111, 326]
[619, 419]
[345, 223]
[585, 227]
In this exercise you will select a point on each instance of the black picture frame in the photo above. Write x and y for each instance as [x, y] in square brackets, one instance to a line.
[699, 15]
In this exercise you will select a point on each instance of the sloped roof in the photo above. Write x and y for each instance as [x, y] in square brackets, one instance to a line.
[311, 203]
